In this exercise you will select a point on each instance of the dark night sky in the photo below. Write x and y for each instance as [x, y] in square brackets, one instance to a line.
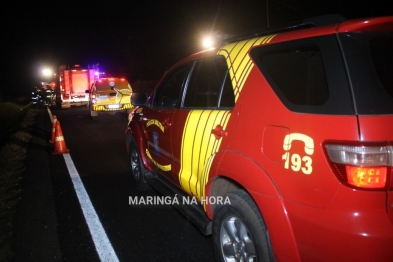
[136, 39]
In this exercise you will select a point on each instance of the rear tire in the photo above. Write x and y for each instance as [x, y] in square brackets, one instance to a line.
[239, 231]
[137, 169]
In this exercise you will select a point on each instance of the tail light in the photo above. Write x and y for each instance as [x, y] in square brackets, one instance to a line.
[362, 166]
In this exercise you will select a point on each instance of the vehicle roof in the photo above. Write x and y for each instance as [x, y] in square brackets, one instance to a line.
[327, 24]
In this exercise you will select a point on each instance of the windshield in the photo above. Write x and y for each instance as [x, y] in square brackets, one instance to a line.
[370, 66]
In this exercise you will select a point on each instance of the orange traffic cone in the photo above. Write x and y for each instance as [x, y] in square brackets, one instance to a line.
[60, 146]
[53, 129]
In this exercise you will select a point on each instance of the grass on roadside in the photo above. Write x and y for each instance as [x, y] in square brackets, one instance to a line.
[12, 165]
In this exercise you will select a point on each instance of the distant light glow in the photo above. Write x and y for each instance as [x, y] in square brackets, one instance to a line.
[47, 72]
[207, 42]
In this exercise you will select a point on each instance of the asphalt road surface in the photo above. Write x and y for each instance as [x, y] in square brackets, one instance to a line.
[97, 149]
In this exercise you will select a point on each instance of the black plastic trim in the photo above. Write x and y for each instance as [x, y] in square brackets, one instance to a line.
[194, 212]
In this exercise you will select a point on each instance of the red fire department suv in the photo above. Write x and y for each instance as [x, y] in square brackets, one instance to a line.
[292, 127]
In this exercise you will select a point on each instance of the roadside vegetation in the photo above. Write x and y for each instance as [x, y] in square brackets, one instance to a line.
[15, 127]
[16, 122]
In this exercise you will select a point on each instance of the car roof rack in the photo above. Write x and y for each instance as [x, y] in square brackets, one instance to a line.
[317, 21]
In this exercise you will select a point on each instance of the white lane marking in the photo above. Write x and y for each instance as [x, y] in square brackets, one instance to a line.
[103, 245]
[50, 114]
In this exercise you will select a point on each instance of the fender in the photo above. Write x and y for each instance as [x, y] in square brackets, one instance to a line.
[133, 132]
[233, 166]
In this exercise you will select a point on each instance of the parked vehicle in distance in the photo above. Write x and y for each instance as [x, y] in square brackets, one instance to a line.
[74, 81]
[109, 95]
[293, 126]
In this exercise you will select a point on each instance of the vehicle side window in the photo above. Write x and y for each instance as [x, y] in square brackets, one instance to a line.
[307, 75]
[227, 96]
[382, 56]
[209, 85]
[168, 93]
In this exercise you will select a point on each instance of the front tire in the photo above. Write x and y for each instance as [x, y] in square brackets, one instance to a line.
[137, 168]
[239, 231]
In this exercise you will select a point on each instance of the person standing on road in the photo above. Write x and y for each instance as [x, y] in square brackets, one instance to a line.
[35, 96]
[48, 95]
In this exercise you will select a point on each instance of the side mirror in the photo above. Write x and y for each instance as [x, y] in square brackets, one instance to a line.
[138, 99]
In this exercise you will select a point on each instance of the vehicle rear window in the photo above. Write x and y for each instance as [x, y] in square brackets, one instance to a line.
[105, 84]
[308, 75]
[370, 65]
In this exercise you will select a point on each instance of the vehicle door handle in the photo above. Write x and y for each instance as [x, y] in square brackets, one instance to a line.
[219, 132]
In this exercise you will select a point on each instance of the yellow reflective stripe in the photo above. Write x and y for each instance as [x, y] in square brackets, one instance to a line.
[205, 176]
[198, 145]
[156, 123]
[162, 167]
[239, 62]
[103, 108]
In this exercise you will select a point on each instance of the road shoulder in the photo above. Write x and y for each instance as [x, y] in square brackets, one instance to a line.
[35, 226]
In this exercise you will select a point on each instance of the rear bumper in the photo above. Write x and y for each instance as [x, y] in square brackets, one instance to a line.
[111, 107]
[355, 227]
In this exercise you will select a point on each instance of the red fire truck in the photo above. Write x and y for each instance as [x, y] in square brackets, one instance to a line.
[74, 81]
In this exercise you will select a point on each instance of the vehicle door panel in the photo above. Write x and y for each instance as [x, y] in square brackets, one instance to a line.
[159, 120]
[200, 123]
